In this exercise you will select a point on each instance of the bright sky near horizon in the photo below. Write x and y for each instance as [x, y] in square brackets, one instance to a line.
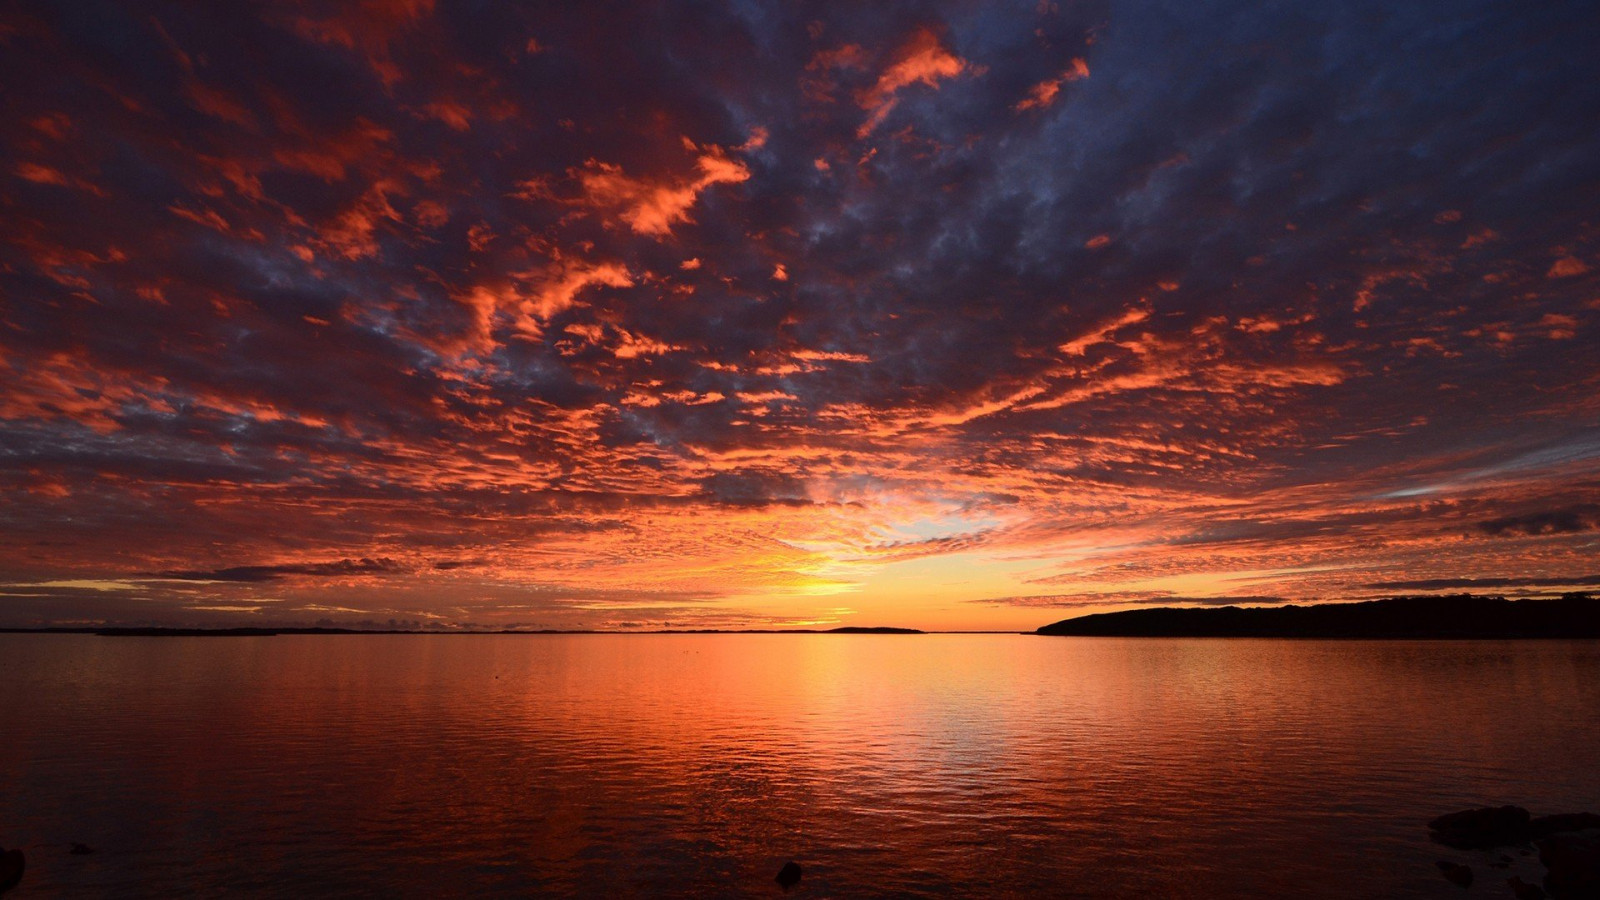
[940, 315]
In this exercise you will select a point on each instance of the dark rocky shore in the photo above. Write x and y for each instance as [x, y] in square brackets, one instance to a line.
[1457, 616]
[1568, 845]
[12, 865]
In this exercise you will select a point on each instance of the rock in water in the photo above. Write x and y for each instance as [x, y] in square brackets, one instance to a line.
[1573, 861]
[789, 875]
[1544, 826]
[11, 865]
[1480, 829]
[1455, 873]
[1525, 891]
[80, 849]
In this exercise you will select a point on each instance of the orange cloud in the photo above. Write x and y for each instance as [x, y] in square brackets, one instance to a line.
[449, 112]
[217, 103]
[529, 300]
[559, 292]
[42, 174]
[1567, 267]
[352, 234]
[1044, 93]
[654, 207]
[1102, 332]
[370, 28]
[922, 60]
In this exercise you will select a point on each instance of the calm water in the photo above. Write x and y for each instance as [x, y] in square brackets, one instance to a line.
[696, 765]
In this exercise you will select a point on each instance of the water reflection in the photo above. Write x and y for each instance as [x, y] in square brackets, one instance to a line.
[695, 764]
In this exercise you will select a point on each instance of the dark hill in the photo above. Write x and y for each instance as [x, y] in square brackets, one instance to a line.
[1455, 616]
[881, 629]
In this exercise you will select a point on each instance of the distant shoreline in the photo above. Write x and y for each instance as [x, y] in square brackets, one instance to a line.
[274, 632]
[1429, 617]
[1454, 617]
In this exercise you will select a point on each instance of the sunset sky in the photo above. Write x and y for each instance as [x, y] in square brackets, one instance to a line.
[788, 314]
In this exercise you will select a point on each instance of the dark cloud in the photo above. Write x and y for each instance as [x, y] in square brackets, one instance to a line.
[343, 568]
[1120, 598]
[1568, 520]
[1440, 584]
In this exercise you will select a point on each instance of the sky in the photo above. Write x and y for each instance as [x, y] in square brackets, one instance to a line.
[692, 315]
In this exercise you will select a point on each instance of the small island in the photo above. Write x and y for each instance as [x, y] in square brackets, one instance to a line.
[1456, 616]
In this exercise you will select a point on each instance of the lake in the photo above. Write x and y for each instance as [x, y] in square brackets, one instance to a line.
[695, 765]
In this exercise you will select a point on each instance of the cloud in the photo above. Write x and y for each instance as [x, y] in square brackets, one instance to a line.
[1117, 598]
[654, 207]
[1567, 520]
[1045, 92]
[1567, 267]
[1442, 584]
[343, 568]
[923, 60]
